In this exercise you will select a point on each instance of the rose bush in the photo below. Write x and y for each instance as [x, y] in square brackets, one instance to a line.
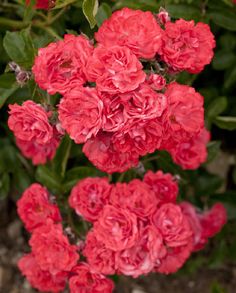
[124, 92]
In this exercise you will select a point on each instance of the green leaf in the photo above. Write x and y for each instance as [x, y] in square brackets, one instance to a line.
[223, 60]
[63, 3]
[75, 174]
[213, 149]
[185, 11]
[4, 185]
[216, 107]
[49, 179]
[224, 18]
[228, 41]
[19, 47]
[104, 12]
[90, 9]
[61, 157]
[8, 86]
[230, 78]
[224, 122]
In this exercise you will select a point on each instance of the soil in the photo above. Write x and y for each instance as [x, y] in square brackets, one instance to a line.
[13, 243]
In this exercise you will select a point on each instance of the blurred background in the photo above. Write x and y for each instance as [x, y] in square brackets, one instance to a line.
[211, 270]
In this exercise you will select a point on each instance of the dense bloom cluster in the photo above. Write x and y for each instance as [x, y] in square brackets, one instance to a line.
[138, 227]
[117, 98]
[53, 260]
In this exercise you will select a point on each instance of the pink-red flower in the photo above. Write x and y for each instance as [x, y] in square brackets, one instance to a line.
[89, 196]
[62, 64]
[99, 257]
[163, 185]
[190, 153]
[141, 258]
[117, 228]
[134, 29]
[52, 249]
[174, 259]
[83, 280]
[115, 69]
[29, 122]
[40, 279]
[135, 196]
[39, 153]
[80, 113]
[186, 46]
[173, 225]
[100, 151]
[185, 112]
[204, 225]
[34, 207]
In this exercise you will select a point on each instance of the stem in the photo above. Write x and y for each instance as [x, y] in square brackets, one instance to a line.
[150, 159]
[56, 16]
[16, 24]
[47, 29]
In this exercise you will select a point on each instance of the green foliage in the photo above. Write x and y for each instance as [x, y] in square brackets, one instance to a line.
[20, 48]
[90, 9]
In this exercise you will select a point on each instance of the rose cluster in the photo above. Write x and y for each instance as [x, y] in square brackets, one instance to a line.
[53, 260]
[138, 227]
[117, 95]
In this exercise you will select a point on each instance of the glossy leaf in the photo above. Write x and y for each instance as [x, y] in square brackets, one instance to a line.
[19, 47]
[104, 12]
[8, 86]
[90, 9]
[225, 122]
[49, 179]
[75, 174]
[224, 18]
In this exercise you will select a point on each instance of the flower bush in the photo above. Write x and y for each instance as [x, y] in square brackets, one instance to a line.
[116, 95]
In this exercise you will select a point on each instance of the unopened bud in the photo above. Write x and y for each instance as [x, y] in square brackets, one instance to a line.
[163, 16]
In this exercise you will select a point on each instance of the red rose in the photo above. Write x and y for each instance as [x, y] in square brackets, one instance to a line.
[114, 117]
[139, 138]
[89, 196]
[29, 122]
[204, 225]
[62, 64]
[115, 69]
[186, 46]
[135, 196]
[99, 257]
[34, 207]
[100, 151]
[42, 280]
[116, 228]
[80, 113]
[190, 153]
[38, 153]
[135, 29]
[52, 249]
[143, 256]
[83, 280]
[213, 220]
[185, 112]
[144, 103]
[163, 185]
[173, 225]
[174, 259]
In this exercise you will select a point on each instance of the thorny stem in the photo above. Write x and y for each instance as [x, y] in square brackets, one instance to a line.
[150, 159]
